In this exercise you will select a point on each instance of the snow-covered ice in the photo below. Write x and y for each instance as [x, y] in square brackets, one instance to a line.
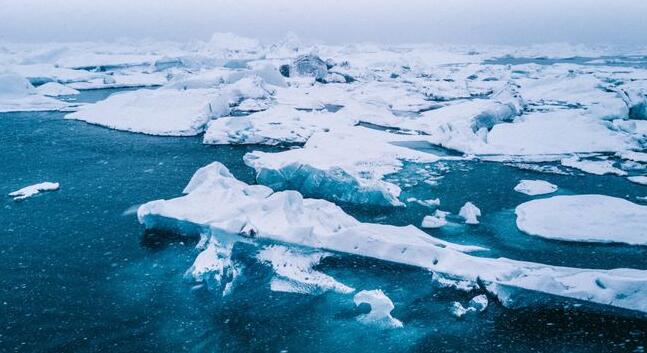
[33, 190]
[158, 112]
[535, 187]
[587, 218]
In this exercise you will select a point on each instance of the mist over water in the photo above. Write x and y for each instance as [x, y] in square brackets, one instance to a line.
[619, 22]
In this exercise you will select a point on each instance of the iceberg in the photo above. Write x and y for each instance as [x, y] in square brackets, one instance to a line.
[585, 218]
[346, 165]
[33, 190]
[219, 206]
[437, 220]
[535, 187]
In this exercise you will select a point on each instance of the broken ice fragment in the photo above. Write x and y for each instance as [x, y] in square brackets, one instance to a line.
[381, 307]
[33, 190]
[470, 213]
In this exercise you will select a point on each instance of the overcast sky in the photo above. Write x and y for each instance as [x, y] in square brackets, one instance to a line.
[449, 21]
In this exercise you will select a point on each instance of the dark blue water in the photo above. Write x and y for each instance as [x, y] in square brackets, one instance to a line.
[78, 274]
[639, 62]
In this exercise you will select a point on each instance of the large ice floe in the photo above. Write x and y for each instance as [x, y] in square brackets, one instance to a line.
[588, 218]
[17, 94]
[227, 211]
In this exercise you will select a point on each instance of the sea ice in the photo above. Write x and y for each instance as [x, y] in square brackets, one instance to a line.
[54, 89]
[535, 187]
[17, 94]
[586, 218]
[344, 165]
[640, 179]
[592, 167]
[221, 206]
[381, 307]
[33, 190]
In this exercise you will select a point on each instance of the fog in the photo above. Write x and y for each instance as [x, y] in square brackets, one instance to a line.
[469, 21]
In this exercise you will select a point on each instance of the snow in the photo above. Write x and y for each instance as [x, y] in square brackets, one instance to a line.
[156, 112]
[639, 179]
[535, 187]
[33, 190]
[470, 213]
[222, 207]
[381, 307]
[585, 218]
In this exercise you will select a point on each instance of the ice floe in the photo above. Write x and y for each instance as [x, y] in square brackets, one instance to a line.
[217, 204]
[33, 190]
[17, 94]
[535, 187]
[587, 218]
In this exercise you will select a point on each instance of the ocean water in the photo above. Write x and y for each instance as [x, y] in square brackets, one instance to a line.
[79, 274]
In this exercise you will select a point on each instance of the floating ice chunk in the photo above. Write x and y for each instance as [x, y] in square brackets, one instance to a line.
[463, 126]
[555, 133]
[479, 302]
[574, 91]
[437, 220]
[470, 213]
[592, 167]
[535, 187]
[633, 156]
[33, 190]
[295, 273]
[459, 310]
[220, 206]
[54, 89]
[587, 218]
[307, 65]
[39, 74]
[381, 307]
[17, 94]
[344, 165]
[157, 112]
[279, 124]
[476, 304]
[642, 179]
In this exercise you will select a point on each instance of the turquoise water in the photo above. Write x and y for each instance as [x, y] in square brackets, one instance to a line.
[78, 273]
